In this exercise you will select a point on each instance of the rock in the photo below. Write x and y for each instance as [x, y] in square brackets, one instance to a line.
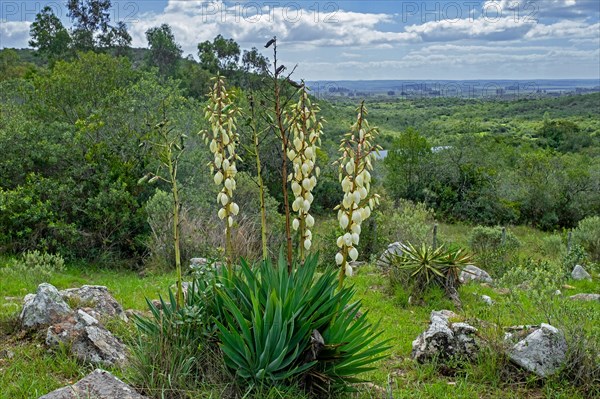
[473, 273]
[44, 308]
[542, 352]
[387, 257]
[585, 297]
[99, 384]
[444, 340]
[558, 293]
[88, 340]
[197, 262]
[487, 300]
[97, 298]
[579, 273]
[6, 354]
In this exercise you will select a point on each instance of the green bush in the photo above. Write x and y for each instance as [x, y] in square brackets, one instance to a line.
[408, 222]
[492, 250]
[278, 327]
[34, 266]
[587, 234]
[538, 277]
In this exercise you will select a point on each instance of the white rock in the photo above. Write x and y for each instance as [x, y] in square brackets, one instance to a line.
[99, 384]
[43, 308]
[543, 352]
[579, 273]
[487, 300]
[473, 273]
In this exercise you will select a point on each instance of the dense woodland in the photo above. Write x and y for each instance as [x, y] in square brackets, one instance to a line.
[74, 116]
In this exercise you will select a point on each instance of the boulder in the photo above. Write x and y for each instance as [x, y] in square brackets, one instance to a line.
[473, 273]
[585, 297]
[579, 273]
[444, 340]
[541, 352]
[99, 384]
[44, 308]
[487, 300]
[394, 249]
[97, 298]
[88, 340]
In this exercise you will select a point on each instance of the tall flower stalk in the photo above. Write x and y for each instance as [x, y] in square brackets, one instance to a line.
[221, 112]
[169, 146]
[356, 162]
[306, 129]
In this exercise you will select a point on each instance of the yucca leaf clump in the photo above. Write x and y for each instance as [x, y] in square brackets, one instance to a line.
[284, 328]
[420, 267]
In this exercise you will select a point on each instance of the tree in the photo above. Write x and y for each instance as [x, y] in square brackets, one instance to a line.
[165, 53]
[406, 164]
[222, 55]
[92, 29]
[48, 36]
[253, 61]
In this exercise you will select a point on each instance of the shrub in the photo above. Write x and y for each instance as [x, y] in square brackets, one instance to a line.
[553, 246]
[280, 327]
[176, 350]
[587, 234]
[408, 222]
[539, 277]
[34, 266]
[492, 251]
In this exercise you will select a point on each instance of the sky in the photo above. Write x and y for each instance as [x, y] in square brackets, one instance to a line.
[378, 39]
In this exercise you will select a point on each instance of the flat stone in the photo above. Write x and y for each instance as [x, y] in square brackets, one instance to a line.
[99, 384]
[585, 297]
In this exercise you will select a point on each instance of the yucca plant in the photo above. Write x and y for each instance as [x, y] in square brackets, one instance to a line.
[425, 266]
[283, 327]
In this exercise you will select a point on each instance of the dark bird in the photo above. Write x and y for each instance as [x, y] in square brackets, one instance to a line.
[270, 42]
[279, 70]
[296, 84]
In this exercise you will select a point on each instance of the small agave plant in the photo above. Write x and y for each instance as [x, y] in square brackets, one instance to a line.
[306, 128]
[356, 162]
[221, 112]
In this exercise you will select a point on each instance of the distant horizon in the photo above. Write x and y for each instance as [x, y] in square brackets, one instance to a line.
[373, 40]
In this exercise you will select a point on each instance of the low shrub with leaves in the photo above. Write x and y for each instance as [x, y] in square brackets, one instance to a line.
[587, 234]
[176, 351]
[286, 328]
[421, 267]
[34, 266]
[538, 277]
[493, 249]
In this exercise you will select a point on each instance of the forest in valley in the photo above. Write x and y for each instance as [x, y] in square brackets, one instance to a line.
[220, 184]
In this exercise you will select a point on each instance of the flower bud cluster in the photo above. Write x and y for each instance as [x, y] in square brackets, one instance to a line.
[355, 165]
[306, 129]
[221, 113]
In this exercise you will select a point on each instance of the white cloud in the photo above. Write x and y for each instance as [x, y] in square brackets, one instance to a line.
[14, 33]
[196, 21]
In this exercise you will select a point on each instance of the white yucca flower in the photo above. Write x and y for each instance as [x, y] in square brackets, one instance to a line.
[306, 129]
[221, 112]
[354, 165]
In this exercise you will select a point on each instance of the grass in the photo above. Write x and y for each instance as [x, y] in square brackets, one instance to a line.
[33, 371]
